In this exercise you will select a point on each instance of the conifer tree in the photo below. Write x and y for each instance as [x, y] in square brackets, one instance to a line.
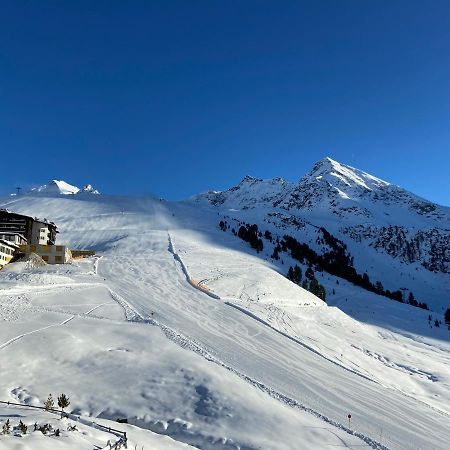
[290, 274]
[309, 273]
[379, 287]
[314, 287]
[49, 403]
[322, 294]
[23, 428]
[275, 254]
[63, 402]
[6, 427]
[447, 317]
[297, 274]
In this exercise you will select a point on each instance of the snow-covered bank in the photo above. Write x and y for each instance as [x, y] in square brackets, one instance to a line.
[44, 431]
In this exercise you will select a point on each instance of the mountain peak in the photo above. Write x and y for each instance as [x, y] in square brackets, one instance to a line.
[271, 181]
[89, 189]
[248, 179]
[60, 187]
[336, 173]
[56, 187]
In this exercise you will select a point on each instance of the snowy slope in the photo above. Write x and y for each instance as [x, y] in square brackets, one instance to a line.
[86, 435]
[396, 237]
[183, 329]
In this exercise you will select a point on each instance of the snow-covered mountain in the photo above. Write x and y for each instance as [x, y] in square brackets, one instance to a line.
[338, 190]
[397, 237]
[191, 335]
[60, 187]
[347, 193]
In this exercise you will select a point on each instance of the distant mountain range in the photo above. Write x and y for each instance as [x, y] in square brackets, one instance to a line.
[59, 187]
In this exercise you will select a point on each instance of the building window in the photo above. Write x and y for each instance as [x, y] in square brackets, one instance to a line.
[58, 259]
[45, 258]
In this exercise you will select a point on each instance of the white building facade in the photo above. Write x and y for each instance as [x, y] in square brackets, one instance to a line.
[15, 238]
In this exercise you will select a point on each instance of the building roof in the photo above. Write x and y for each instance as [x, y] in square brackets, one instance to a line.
[11, 233]
[9, 244]
[34, 219]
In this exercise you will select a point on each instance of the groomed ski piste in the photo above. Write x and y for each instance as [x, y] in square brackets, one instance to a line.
[196, 340]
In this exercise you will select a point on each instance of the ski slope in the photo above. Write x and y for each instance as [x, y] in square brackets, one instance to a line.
[283, 368]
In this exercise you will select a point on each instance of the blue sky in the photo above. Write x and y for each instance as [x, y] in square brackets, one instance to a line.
[176, 97]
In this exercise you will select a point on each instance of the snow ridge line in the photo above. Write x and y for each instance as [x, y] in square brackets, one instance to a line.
[292, 338]
[189, 279]
[130, 313]
[96, 261]
[186, 343]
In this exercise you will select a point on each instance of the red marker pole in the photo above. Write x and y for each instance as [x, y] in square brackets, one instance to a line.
[349, 417]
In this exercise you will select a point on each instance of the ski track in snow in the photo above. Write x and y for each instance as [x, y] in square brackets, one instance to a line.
[20, 336]
[64, 322]
[192, 345]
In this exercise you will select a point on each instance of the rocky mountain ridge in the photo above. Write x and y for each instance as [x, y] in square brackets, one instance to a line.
[386, 228]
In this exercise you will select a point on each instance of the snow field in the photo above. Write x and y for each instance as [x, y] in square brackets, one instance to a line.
[273, 378]
[111, 369]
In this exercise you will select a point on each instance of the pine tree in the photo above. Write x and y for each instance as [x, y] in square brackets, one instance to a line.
[322, 293]
[275, 254]
[309, 273]
[6, 427]
[260, 246]
[49, 403]
[23, 428]
[297, 274]
[314, 287]
[290, 274]
[379, 287]
[366, 281]
[447, 317]
[63, 402]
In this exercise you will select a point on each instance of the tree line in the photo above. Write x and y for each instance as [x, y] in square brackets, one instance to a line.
[337, 261]
[309, 283]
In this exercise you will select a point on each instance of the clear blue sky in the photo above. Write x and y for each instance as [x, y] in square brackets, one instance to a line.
[176, 97]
